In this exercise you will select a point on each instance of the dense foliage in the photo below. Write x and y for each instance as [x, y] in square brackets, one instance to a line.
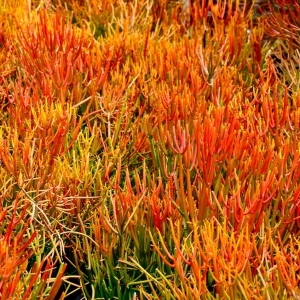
[149, 149]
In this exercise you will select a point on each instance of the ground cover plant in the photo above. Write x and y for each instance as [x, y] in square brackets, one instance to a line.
[149, 149]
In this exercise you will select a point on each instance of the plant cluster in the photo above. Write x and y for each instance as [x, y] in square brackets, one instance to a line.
[149, 149]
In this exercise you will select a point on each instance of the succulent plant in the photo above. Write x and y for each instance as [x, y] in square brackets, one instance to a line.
[149, 149]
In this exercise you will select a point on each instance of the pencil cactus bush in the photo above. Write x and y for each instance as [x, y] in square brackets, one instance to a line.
[149, 150]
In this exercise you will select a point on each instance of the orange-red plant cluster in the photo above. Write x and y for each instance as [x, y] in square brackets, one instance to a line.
[149, 149]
